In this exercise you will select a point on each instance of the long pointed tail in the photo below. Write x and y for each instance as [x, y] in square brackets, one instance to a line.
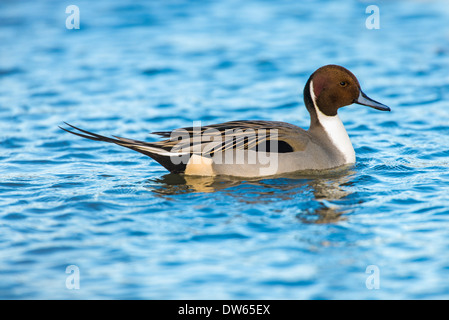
[160, 155]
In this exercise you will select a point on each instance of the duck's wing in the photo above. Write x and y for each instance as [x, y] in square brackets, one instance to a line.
[268, 136]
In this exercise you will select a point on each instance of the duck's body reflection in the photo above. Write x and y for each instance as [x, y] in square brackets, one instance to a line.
[318, 190]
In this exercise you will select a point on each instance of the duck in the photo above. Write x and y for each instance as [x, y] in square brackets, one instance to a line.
[259, 148]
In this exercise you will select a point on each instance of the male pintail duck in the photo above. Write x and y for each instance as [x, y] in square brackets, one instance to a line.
[260, 148]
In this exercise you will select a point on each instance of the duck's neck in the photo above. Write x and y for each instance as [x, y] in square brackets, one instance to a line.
[338, 136]
[334, 129]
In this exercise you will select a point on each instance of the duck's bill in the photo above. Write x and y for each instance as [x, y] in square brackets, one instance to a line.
[363, 99]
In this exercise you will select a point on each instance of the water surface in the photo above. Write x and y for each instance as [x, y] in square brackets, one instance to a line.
[136, 232]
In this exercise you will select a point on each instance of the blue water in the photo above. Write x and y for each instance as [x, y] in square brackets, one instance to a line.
[133, 231]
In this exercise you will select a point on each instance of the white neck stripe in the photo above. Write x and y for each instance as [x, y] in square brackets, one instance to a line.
[312, 94]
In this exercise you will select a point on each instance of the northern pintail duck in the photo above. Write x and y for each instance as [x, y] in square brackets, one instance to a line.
[260, 148]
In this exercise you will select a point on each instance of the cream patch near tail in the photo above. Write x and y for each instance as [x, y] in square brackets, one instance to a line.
[199, 166]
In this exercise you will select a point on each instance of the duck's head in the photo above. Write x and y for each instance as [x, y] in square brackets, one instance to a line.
[331, 87]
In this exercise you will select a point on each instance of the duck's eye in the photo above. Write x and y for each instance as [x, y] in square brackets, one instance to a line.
[343, 83]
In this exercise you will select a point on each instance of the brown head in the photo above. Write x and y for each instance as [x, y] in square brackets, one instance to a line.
[332, 87]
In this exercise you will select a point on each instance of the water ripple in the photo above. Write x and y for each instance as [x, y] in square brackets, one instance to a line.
[136, 231]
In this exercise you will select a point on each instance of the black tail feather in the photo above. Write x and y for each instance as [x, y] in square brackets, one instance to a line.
[88, 135]
[164, 160]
